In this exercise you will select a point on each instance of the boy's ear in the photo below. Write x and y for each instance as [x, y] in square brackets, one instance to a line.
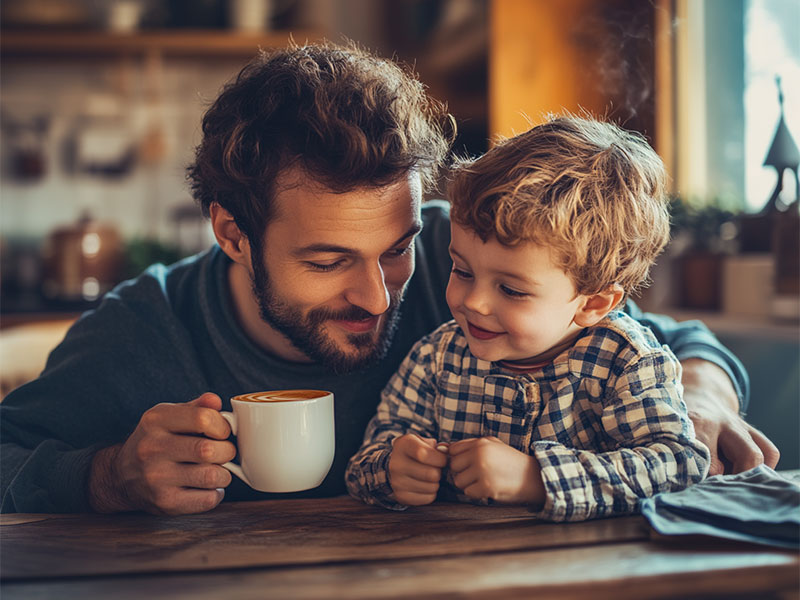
[230, 238]
[597, 306]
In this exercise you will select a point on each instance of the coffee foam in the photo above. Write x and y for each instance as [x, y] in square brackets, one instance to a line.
[281, 396]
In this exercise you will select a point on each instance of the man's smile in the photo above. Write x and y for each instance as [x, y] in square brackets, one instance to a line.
[358, 326]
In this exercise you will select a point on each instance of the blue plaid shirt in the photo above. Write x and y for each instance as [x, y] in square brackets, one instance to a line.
[605, 420]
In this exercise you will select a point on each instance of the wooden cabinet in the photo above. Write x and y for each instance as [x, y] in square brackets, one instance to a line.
[574, 55]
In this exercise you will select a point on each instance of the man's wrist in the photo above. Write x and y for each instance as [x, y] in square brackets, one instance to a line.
[104, 492]
[706, 380]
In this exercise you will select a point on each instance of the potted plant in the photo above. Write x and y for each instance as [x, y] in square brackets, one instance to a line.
[702, 232]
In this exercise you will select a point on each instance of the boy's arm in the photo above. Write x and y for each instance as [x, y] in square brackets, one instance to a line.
[406, 407]
[716, 392]
[645, 419]
[693, 340]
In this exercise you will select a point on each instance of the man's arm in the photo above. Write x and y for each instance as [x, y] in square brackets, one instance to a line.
[58, 455]
[69, 432]
[716, 391]
[50, 478]
[714, 410]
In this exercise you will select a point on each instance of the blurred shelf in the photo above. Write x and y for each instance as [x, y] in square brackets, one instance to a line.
[751, 326]
[184, 43]
[20, 309]
[9, 321]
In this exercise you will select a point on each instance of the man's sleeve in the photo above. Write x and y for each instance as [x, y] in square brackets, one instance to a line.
[692, 339]
[50, 478]
[113, 365]
[51, 427]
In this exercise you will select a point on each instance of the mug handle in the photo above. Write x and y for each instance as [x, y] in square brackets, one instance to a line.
[231, 466]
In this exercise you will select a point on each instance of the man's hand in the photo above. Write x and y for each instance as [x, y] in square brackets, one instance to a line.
[169, 465]
[714, 409]
[488, 468]
[415, 469]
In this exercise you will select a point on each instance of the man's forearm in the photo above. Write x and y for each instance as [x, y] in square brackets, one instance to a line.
[105, 490]
[704, 381]
[713, 407]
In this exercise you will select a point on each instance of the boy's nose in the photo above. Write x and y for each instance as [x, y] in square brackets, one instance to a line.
[369, 291]
[476, 301]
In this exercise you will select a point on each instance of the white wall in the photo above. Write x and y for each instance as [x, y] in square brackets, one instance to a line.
[66, 91]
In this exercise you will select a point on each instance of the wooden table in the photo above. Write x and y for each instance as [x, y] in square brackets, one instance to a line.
[339, 548]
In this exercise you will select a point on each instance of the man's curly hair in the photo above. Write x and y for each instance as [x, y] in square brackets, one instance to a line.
[346, 118]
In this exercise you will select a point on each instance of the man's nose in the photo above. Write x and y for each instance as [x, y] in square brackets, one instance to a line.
[368, 289]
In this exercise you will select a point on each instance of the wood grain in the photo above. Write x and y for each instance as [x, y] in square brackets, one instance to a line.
[622, 571]
[280, 533]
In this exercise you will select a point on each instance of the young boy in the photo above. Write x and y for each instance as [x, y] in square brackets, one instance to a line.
[539, 391]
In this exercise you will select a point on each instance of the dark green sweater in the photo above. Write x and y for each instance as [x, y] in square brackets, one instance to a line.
[170, 335]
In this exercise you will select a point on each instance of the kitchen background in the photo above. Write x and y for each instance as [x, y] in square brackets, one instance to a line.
[101, 103]
[101, 109]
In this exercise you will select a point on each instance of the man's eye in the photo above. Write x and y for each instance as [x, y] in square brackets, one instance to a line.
[511, 293]
[323, 268]
[461, 274]
[398, 252]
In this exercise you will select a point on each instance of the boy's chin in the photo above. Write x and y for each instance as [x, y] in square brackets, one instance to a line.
[488, 355]
[498, 355]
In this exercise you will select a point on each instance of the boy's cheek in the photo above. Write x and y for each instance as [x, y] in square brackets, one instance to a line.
[452, 294]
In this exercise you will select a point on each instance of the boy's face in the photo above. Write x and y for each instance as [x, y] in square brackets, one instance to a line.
[512, 303]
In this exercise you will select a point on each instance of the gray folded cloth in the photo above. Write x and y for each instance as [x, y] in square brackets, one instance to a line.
[757, 506]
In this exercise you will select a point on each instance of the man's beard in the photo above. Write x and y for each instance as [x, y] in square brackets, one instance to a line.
[307, 333]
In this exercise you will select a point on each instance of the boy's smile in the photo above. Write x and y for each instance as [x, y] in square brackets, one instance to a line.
[512, 303]
[482, 334]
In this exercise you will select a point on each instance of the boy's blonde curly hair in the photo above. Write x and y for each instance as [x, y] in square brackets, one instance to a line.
[590, 191]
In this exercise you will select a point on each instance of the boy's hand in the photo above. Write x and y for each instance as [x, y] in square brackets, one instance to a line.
[415, 468]
[488, 468]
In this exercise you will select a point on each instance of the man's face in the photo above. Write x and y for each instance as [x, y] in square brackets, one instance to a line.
[334, 269]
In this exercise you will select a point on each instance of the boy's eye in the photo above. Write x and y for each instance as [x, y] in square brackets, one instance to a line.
[512, 293]
[324, 268]
[461, 274]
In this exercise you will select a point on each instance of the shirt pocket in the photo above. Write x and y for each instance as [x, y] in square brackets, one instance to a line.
[509, 409]
[459, 406]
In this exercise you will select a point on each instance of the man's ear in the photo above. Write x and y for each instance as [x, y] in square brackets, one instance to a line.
[230, 238]
[597, 306]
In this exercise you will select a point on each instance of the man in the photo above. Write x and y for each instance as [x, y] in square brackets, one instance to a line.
[312, 169]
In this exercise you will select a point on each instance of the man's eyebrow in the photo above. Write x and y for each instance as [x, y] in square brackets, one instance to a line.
[336, 249]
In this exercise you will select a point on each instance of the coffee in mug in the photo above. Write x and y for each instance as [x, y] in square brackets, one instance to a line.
[285, 438]
[281, 396]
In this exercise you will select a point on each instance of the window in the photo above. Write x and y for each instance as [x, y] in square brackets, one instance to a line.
[727, 54]
[771, 48]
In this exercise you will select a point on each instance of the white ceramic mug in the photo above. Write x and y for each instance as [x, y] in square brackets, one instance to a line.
[285, 439]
